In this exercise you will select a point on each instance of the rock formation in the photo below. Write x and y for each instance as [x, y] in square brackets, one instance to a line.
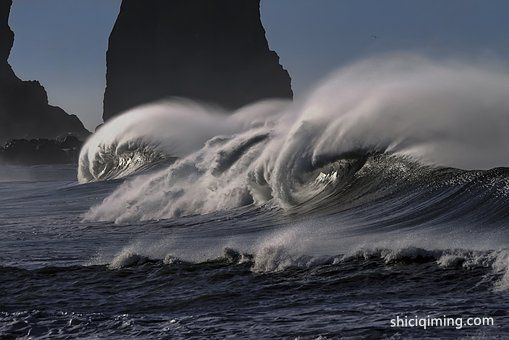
[24, 108]
[63, 150]
[213, 51]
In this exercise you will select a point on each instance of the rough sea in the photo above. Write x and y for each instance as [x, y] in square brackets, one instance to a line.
[382, 196]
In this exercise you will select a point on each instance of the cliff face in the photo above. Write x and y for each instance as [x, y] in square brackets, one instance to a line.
[209, 50]
[6, 42]
[24, 109]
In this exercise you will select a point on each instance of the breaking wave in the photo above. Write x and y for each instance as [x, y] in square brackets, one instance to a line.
[276, 259]
[381, 122]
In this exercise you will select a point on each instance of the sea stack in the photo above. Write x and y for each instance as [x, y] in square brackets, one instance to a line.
[24, 108]
[213, 51]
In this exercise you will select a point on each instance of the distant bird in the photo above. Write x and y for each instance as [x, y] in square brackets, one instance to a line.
[374, 36]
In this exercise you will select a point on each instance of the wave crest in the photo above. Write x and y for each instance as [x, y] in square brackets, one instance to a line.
[438, 113]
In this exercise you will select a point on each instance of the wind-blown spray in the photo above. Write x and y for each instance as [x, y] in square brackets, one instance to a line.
[445, 113]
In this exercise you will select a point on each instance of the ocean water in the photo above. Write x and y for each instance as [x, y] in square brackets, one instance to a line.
[375, 197]
[250, 272]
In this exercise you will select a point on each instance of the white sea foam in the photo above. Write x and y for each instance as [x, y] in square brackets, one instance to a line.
[442, 113]
[289, 248]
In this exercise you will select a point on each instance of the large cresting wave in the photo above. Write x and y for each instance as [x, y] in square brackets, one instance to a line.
[398, 113]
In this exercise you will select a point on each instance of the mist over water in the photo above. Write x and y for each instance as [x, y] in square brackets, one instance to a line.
[393, 157]
[436, 113]
[383, 192]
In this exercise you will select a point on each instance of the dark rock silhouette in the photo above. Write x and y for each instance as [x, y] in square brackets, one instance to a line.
[64, 150]
[24, 108]
[213, 51]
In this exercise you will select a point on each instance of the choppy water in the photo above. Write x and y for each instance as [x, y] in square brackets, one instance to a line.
[322, 218]
[251, 272]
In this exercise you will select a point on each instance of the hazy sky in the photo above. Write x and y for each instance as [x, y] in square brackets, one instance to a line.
[62, 43]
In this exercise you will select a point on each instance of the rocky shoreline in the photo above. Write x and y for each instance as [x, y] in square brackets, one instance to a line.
[64, 150]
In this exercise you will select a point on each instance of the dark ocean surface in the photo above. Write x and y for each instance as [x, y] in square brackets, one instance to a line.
[340, 266]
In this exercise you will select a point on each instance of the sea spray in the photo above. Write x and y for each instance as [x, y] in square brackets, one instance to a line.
[439, 113]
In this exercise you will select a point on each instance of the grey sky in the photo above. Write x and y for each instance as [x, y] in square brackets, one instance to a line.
[62, 43]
